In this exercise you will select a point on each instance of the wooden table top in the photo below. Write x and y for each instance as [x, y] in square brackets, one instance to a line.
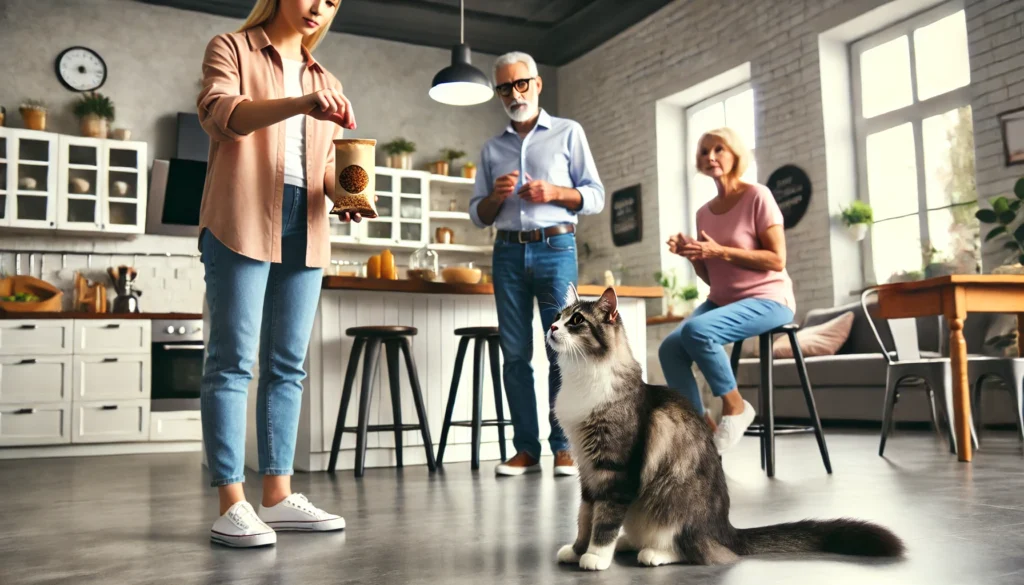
[956, 279]
[82, 315]
[422, 286]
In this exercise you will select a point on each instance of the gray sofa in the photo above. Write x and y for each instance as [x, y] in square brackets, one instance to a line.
[850, 386]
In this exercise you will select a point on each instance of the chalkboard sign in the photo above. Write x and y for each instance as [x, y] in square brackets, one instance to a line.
[627, 219]
[792, 191]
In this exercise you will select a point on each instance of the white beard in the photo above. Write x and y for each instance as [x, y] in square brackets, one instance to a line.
[522, 114]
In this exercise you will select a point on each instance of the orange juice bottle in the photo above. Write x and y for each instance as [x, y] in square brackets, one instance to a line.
[387, 265]
[373, 267]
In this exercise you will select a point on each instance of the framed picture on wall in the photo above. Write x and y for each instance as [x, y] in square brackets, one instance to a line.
[1012, 124]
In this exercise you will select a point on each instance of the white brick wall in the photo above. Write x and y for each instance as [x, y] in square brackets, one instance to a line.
[687, 42]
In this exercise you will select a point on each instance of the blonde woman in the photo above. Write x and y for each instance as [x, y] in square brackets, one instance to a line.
[272, 113]
[740, 251]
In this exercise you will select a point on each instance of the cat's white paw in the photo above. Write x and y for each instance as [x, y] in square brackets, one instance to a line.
[592, 562]
[567, 554]
[650, 557]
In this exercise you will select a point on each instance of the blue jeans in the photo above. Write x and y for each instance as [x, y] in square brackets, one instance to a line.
[252, 305]
[700, 339]
[523, 272]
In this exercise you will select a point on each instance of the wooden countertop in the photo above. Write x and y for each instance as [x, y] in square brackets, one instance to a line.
[81, 315]
[441, 288]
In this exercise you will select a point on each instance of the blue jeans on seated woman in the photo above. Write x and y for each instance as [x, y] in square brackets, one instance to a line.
[262, 305]
[700, 339]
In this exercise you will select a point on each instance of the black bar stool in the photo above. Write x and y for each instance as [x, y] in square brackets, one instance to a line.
[768, 429]
[394, 338]
[480, 335]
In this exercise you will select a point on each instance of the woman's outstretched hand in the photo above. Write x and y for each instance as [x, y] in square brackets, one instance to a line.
[347, 217]
[330, 105]
[702, 249]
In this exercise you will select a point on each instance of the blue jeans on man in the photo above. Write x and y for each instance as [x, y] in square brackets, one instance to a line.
[523, 272]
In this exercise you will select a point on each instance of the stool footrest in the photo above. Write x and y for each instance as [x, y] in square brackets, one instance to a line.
[380, 428]
[486, 423]
[757, 430]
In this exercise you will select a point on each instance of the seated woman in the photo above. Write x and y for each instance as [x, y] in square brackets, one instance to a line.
[740, 252]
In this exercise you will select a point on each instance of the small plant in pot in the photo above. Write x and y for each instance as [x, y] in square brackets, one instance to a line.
[399, 153]
[469, 170]
[94, 112]
[1006, 216]
[448, 156]
[33, 114]
[681, 298]
[857, 217]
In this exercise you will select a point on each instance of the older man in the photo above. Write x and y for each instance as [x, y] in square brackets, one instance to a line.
[535, 179]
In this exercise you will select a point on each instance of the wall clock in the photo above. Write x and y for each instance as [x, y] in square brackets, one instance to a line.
[81, 69]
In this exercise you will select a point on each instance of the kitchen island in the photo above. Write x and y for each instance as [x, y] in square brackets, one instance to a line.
[436, 310]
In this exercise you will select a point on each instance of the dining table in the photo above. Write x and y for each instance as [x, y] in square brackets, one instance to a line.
[953, 297]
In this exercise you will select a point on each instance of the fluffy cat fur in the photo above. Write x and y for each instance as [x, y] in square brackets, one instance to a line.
[651, 479]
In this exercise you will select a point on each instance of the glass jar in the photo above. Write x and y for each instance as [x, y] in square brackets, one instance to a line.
[423, 265]
[346, 268]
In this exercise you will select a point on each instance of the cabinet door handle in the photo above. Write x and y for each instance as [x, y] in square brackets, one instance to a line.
[109, 360]
[27, 361]
[28, 326]
[109, 407]
[25, 411]
[112, 326]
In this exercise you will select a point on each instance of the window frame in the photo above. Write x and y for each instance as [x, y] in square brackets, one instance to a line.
[914, 114]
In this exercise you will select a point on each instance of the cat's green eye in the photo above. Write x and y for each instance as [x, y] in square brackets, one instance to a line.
[577, 319]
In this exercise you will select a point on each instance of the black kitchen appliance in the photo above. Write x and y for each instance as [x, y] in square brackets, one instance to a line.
[177, 356]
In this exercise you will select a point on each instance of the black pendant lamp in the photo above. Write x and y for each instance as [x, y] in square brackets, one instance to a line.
[461, 84]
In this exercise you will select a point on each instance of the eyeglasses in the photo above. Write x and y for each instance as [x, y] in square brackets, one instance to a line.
[520, 85]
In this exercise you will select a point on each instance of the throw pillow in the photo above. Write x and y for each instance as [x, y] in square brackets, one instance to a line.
[823, 339]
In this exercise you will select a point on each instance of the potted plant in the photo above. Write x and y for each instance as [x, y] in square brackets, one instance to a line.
[33, 114]
[681, 298]
[1006, 216]
[399, 153]
[448, 156]
[94, 111]
[936, 263]
[469, 170]
[857, 217]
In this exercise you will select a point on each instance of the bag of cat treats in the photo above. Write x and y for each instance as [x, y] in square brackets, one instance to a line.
[354, 188]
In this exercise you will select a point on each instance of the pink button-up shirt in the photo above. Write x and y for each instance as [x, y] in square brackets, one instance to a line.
[242, 198]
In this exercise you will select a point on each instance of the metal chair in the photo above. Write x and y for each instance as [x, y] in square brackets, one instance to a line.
[908, 367]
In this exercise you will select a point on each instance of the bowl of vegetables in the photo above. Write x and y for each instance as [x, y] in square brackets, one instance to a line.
[27, 294]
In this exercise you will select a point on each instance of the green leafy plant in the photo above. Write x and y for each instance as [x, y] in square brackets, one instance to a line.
[856, 213]
[470, 165]
[674, 289]
[1005, 213]
[690, 293]
[33, 105]
[94, 104]
[399, 146]
[451, 155]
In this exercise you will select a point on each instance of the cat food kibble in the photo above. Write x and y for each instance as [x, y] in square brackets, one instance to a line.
[355, 185]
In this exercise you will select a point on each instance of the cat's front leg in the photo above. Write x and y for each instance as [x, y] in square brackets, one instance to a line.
[571, 553]
[607, 522]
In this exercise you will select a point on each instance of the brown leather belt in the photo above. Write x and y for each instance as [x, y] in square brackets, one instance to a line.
[533, 236]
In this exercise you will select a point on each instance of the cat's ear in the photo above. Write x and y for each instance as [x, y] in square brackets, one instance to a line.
[571, 296]
[609, 303]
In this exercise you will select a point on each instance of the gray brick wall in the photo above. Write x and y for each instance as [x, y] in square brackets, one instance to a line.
[689, 42]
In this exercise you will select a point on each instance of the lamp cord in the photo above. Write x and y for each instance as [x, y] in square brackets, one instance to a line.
[462, 22]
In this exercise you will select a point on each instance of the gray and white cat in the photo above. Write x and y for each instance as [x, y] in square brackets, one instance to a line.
[651, 478]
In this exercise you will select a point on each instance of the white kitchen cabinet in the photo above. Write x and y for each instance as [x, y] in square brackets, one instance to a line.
[35, 424]
[110, 421]
[30, 337]
[112, 337]
[101, 185]
[38, 379]
[175, 426]
[28, 178]
[125, 377]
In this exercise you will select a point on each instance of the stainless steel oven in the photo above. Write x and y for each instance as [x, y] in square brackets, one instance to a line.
[177, 359]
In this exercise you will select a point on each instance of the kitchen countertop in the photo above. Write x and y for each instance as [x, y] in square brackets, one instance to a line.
[441, 288]
[83, 315]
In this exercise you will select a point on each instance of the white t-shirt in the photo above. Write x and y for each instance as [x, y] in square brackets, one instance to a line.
[295, 135]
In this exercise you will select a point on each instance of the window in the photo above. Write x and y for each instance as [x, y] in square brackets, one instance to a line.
[915, 145]
[733, 108]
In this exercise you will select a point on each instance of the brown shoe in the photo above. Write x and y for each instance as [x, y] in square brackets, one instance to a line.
[564, 465]
[522, 463]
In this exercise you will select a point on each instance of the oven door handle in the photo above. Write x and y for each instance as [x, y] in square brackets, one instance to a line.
[190, 347]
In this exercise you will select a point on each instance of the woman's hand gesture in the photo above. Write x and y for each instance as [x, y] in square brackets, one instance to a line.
[677, 242]
[700, 250]
[330, 105]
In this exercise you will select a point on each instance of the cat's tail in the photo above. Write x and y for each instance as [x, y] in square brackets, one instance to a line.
[844, 536]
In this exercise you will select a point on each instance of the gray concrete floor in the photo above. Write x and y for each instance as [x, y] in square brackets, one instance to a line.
[145, 519]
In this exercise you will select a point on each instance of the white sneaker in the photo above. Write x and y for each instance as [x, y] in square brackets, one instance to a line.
[732, 427]
[296, 513]
[240, 527]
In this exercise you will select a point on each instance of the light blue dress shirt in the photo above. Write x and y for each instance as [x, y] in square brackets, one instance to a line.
[556, 151]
